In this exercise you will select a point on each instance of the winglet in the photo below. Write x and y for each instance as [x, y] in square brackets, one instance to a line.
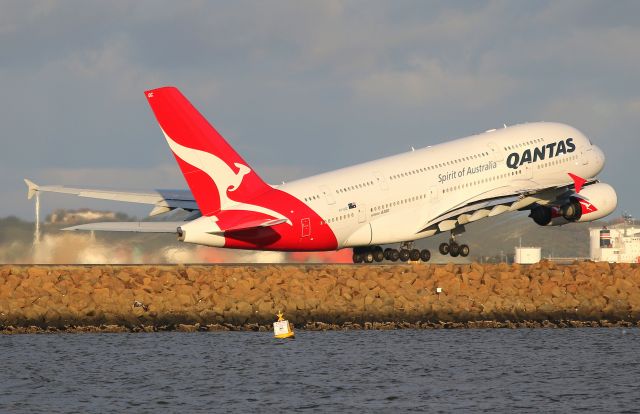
[33, 187]
[577, 181]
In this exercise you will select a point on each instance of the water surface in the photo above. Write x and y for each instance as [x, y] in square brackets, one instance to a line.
[469, 370]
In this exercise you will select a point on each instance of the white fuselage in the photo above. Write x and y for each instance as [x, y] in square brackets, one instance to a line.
[389, 200]
[546, 168]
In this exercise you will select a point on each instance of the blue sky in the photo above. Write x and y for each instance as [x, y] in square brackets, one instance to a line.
[303, 87]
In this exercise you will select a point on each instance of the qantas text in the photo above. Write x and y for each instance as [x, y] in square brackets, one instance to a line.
[515, 159]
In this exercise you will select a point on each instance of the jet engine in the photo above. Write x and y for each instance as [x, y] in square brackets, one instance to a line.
[547, 216]
[199, 231]
[592, 203]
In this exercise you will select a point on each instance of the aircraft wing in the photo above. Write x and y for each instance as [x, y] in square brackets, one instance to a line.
[162, 200]
[476, 210]
[167, 226]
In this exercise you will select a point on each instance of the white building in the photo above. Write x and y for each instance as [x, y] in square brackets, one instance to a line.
[527, 255]
[619, 243]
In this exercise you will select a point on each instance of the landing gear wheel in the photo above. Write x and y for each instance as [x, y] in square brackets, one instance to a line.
[394, 255]
[414, 255]
[387, 253]
[357, 258]
[425, 255]
[444, 249]
[464, 250]
[454, 249]
[368, 257]
[404, 255]
[378, 255]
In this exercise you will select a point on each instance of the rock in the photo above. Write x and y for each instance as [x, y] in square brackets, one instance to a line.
[192, 273]
[124, 276]
[187, 328]
[244, 296]
[100, 296]
[244, 308]
[37, 272]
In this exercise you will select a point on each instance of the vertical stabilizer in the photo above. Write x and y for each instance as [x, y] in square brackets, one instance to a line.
[214, 171]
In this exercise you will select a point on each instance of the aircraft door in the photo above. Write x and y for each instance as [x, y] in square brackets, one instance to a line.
[497, 154]
[434, 193]
[585, 154]
[381, 181]
[327, 194]
[305, 225]
[362, 213]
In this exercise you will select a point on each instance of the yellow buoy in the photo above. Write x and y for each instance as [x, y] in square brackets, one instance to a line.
[282, 329]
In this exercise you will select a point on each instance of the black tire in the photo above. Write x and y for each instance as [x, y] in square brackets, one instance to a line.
[387, 253]
[368, 257]
[404, 255]
[444, 249]
[414, 255]
[394, 255]
[357, 258]
[378, 255]
[454, 250]
[425, 255]
[464, 250]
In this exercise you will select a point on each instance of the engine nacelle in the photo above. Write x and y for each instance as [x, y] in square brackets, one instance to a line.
[547, 216]
[592, 203]
[201, 231]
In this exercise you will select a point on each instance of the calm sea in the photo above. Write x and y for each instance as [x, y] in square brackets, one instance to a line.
[539, 370]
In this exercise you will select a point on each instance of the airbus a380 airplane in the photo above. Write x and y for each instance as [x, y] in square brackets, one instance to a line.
[546, 168]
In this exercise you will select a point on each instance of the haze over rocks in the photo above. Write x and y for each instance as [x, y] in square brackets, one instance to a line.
[125, 298]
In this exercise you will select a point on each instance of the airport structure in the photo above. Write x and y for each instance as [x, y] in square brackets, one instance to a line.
[619, 243]
[527, 255]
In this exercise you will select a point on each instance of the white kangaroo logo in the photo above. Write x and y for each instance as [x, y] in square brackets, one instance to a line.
[221, 174]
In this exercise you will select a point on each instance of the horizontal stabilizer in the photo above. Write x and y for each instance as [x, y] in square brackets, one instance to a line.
[162, 200]
[131, 226]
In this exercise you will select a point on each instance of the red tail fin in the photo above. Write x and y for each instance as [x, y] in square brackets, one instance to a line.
[216, 174]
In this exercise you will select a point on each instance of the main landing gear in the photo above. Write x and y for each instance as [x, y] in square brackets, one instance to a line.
[370, 254]
[454, 249]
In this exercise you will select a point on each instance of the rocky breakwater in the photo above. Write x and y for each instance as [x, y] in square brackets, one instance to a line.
[316, 296]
